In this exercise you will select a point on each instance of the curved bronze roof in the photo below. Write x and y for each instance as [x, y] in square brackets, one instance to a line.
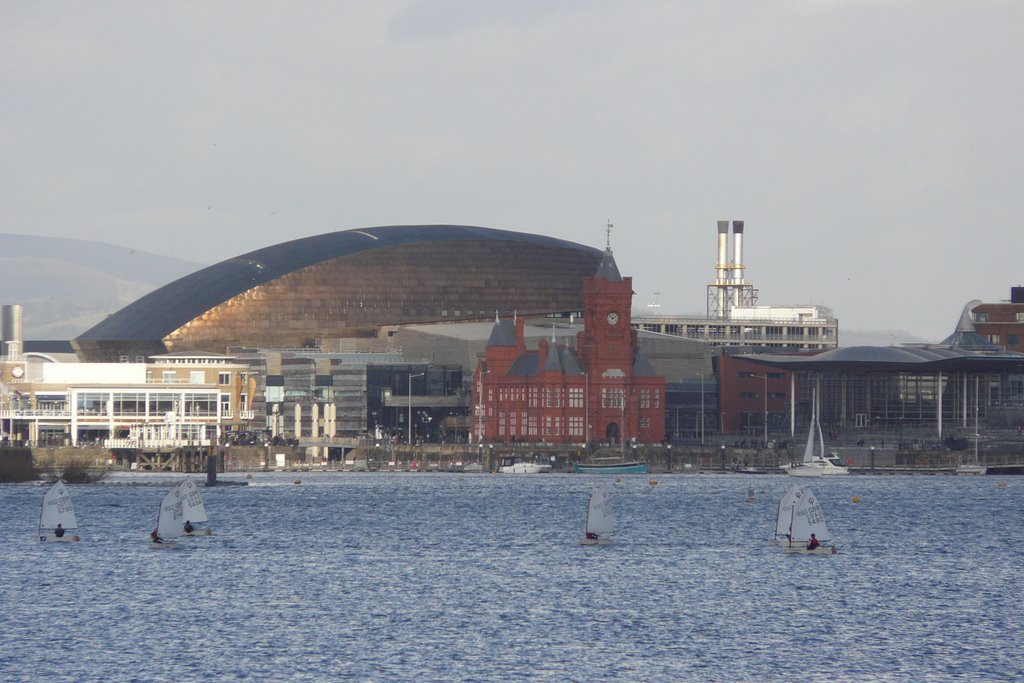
[165, 310]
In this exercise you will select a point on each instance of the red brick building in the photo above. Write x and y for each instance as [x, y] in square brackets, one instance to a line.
[744, 405]
[1002, 324]
[604, 390]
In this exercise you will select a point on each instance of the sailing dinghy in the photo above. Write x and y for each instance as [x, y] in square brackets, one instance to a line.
[169, 523]
[808, 519]
[57, 517]
[192, 509]
[600, 520]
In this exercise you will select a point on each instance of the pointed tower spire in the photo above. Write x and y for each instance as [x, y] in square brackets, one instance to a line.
[608, 269]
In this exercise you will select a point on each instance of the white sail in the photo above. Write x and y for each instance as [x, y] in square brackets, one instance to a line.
[600, 519]
[193, 509]
[170, 522]
[784, 518]
[57, 509]
[808, 518]
[809, 448]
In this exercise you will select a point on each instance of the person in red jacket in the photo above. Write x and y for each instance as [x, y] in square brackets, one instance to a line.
[813, 543]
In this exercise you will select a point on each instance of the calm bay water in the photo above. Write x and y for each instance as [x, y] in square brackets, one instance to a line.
[436, 577]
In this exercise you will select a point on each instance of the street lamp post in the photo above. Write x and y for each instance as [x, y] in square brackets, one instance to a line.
[622, 428]
[765, 378]
[701, 408]
[408, 426]
[480, 407]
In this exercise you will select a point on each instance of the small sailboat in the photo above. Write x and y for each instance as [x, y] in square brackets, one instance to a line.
[806, 523]
[600, 520]
[817, 464]
[193, 510]
[57, 517]
[169, 522]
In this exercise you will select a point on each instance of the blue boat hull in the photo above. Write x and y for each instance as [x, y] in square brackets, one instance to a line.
[618, 468]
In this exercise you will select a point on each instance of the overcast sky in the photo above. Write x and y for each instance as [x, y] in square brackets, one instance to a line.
[873, 147]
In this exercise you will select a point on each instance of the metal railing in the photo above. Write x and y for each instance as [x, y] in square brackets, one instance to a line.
[155, 443]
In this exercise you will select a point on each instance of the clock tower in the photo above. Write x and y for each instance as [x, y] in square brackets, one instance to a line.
[608, 339]
[602, 392]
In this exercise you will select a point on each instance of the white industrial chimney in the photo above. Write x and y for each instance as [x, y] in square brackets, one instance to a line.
[737, 261]
[11, 331]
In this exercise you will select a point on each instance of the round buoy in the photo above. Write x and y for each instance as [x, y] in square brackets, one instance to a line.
[1001, 484]
[248, 476]
[297, 481]
[653, 482]
[856, 499]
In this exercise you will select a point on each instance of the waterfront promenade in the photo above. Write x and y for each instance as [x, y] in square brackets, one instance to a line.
[679, 459]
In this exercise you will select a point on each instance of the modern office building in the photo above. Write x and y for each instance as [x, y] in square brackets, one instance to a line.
[938, 391]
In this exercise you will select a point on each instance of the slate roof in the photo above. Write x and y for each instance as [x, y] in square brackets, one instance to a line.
[922, 359]
[608, 270]
[525, 365]
[503, 333]
[563, 360]
[642, 367]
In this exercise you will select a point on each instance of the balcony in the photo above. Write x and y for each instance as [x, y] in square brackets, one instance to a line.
[29, 414]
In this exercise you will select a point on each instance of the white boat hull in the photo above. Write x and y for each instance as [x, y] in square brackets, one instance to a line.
[816, 469]
[804, 472]
[595, 541]
[525, 468]
[971, 470]
[66, 538]
[820, 550]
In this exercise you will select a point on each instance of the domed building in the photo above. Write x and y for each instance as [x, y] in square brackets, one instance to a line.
[346, 284]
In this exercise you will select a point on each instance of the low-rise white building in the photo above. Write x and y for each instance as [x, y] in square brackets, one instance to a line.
[172, 400]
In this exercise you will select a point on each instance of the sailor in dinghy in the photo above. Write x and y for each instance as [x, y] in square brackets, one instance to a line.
[600, 521]
[57, 517]
[808, 533]
[169, 525]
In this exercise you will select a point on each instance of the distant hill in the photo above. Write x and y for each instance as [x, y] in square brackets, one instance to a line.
[66, 286]
[848, 338]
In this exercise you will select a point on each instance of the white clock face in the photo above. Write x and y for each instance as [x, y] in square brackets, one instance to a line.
[17, 372]
[613, 318]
